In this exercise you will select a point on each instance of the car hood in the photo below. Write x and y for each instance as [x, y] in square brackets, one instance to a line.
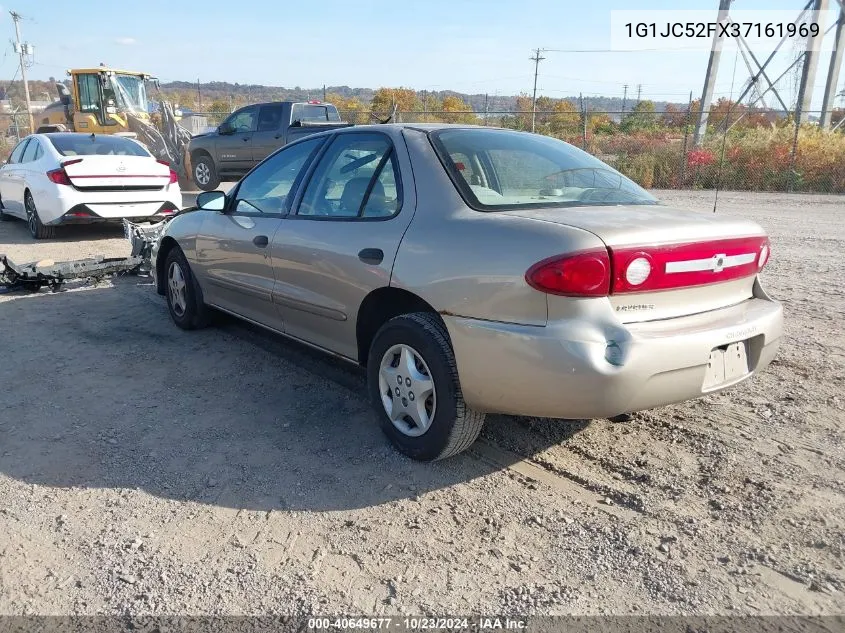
[636, 225]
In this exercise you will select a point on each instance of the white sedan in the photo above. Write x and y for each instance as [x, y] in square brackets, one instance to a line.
[75, 178]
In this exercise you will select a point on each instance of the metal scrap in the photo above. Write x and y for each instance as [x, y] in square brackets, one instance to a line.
[36, 275]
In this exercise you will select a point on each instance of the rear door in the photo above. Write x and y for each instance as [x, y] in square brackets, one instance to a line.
[11, 187]
[234, 151]
[233, 256]
[268, 133]
[341, 242]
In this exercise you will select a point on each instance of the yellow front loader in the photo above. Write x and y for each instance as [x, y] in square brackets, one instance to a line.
[106, 100]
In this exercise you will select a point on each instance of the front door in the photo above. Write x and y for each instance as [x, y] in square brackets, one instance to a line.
[342, 240]
[267, 137]
[234, 149]
[234, 263]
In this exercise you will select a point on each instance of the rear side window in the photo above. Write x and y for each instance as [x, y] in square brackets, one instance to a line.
[29, 153]
[309, 112]
[17, 153]
[357, 177]
[269, 118]
[93, 145]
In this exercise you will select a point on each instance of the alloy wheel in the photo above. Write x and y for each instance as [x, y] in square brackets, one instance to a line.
[202, 173]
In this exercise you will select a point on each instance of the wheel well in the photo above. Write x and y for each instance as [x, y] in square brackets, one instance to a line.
[200, 153]
[378, 308]
[167, 244]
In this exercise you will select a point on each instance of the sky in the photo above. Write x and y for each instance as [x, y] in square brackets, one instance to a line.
[472, 46]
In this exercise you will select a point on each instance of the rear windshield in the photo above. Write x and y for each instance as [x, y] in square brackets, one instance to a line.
[311, 113]
[93, 145]
[497, 170]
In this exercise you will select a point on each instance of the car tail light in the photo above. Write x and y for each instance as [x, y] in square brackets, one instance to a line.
[59, 176]
[765, 253]
[584, 274]
[684, 265]
[174, 177]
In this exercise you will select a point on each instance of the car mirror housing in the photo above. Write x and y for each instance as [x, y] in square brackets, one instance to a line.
[211, 200]
[225, 129]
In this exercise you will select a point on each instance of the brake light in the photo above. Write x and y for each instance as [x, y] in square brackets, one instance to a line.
[584, 274]
[59, 176]
[174, 177]
[765, 253]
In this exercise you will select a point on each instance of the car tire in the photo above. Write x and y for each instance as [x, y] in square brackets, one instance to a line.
[37, 228]
[204, 173]
[440, 426]
[184, 297]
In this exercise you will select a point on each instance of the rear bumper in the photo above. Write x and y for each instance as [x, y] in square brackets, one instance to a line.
[562, 371]
[59, 205]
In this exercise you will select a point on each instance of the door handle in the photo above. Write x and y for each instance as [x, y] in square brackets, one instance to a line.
[260, 241]
[246, 138]
[372, 256]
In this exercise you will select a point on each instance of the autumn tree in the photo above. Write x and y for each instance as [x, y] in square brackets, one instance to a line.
[384, 99]
[463, 112]
[642, 117]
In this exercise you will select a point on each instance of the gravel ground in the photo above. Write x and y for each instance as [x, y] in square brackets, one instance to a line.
[146, 470]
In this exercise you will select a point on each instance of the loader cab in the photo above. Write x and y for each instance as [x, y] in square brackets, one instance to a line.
[104, 97]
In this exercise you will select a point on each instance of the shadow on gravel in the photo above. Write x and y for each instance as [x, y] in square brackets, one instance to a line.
[101, 390]
[15, 231]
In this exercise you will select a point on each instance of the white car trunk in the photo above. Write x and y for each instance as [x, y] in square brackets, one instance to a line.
[117, 173]
[650, 229]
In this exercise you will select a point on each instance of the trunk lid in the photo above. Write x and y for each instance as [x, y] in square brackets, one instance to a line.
[117, 173]
[699, 262]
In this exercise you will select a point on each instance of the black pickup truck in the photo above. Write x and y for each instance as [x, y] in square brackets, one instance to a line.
[250, 134]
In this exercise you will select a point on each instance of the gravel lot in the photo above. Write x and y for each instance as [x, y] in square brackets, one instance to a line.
[147, 470]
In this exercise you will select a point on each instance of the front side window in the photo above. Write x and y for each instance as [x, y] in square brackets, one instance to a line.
[17, 153]
[267, 187]
[243, 121]
[498, 170]
[29, 154]
[357, 178]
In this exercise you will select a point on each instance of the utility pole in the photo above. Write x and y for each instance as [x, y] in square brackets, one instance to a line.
[833, 71]
[20, 48]
[536, 59]
[639, 92]
[811, 62]
[624, 98]
[324, 92]
[199, 96]
[710, 76]
[485, 109]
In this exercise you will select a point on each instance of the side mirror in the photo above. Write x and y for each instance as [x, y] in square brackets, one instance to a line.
[225, 129]
[211, 200]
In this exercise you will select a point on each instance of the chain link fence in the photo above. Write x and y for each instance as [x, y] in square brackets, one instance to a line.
[760, 150]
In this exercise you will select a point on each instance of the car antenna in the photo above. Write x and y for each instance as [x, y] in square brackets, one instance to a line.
[727, 127]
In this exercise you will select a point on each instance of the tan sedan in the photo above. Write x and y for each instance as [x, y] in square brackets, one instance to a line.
[475, 270]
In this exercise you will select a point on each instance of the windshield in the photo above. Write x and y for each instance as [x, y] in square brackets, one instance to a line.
[94, 145]
[496, 170]
[131, 92]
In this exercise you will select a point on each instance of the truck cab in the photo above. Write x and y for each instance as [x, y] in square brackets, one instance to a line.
[250, 134]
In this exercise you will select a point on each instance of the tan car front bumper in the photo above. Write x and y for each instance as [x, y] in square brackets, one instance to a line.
[564, 370]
